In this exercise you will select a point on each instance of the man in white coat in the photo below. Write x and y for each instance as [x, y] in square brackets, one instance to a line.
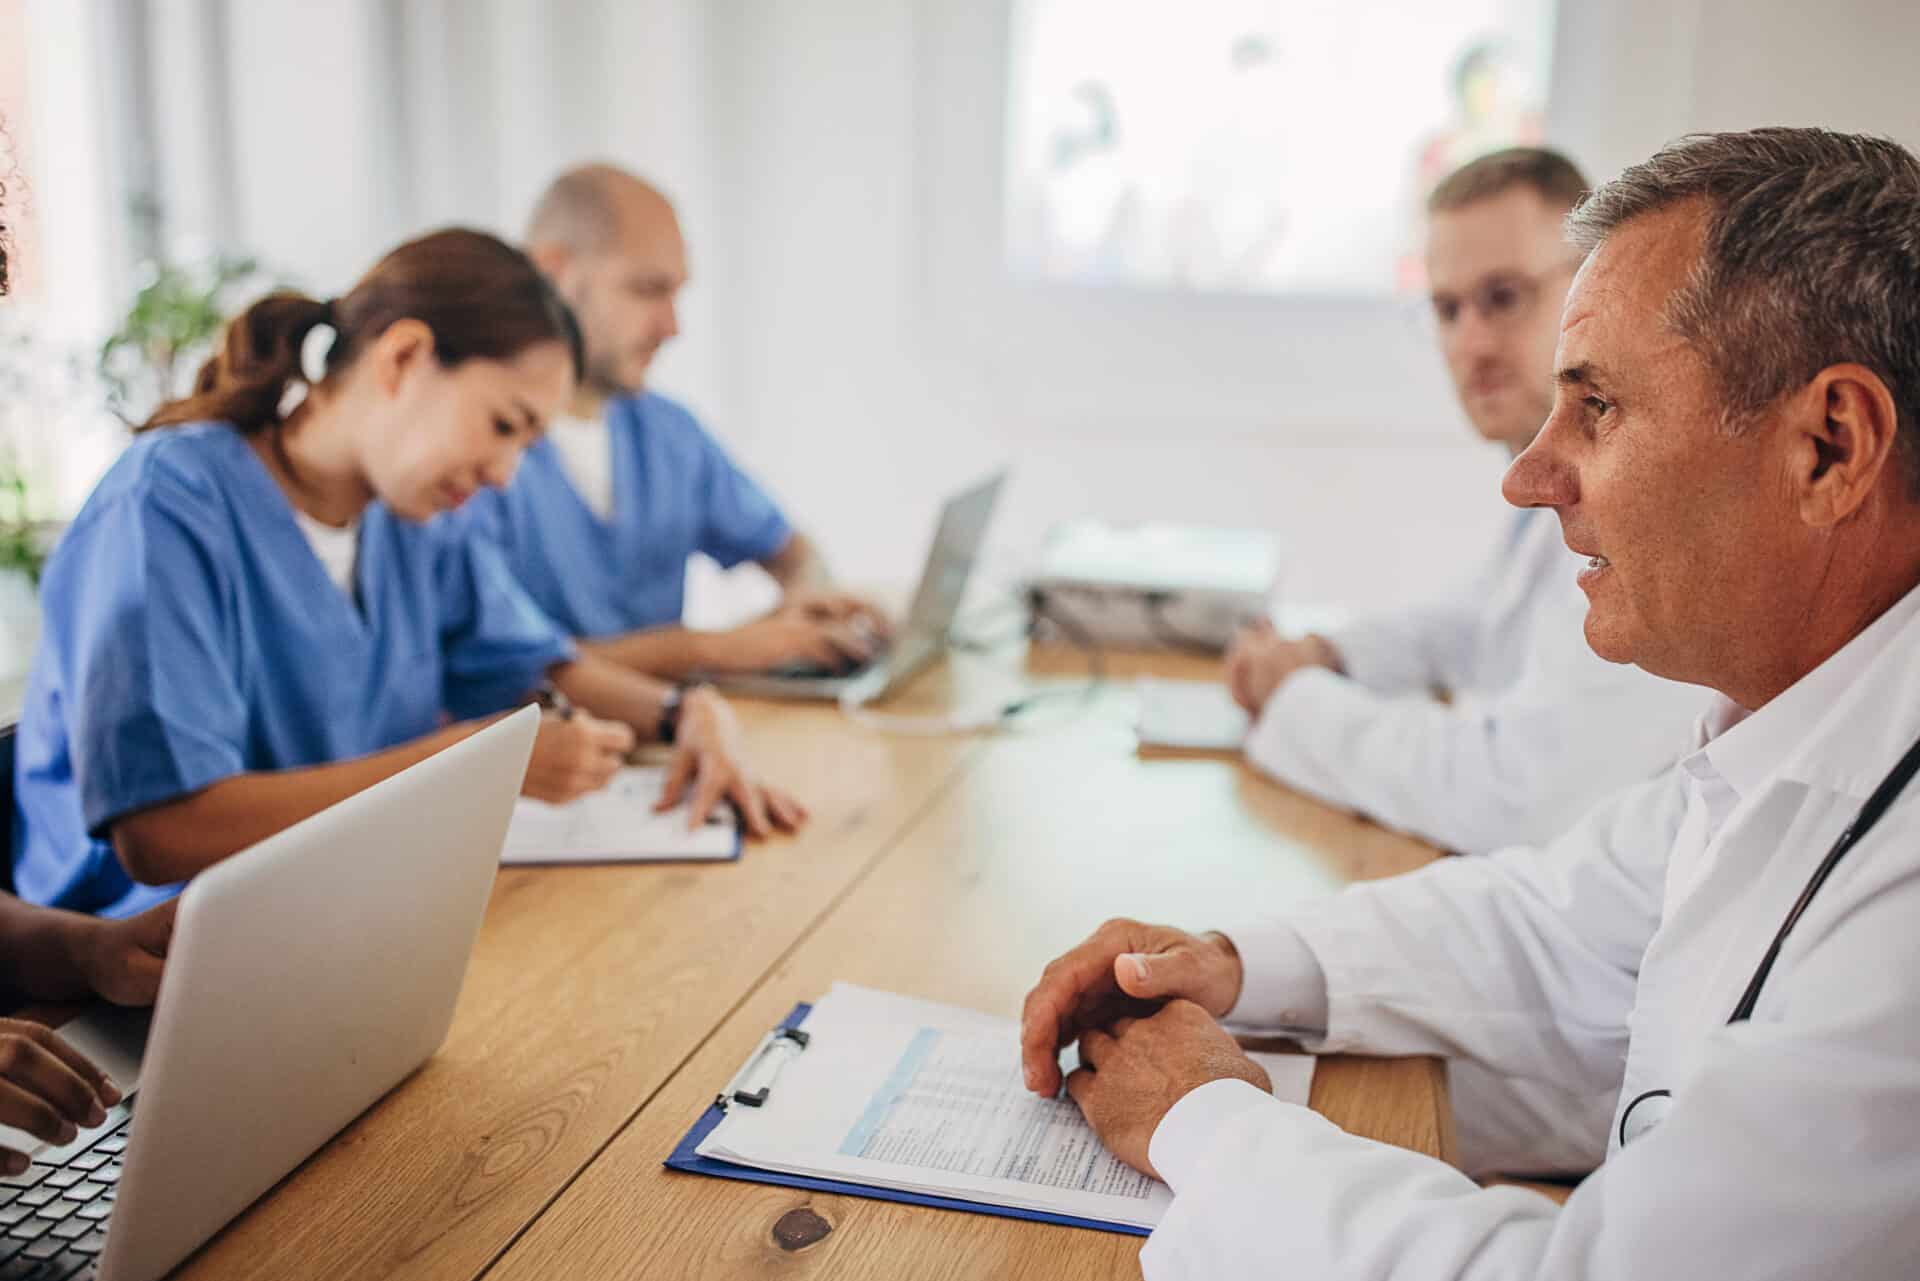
[1735, 446]
[1537, 728]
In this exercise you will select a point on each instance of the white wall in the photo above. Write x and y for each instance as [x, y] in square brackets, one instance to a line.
[1847, 65]
[877, 347]
[874, 354]
[319, 135]
[1636, 73]
[878, 350]
[315, 155]
[71, 158]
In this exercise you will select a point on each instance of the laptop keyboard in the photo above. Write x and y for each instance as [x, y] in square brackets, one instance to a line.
[820, 671]
[53, 1217]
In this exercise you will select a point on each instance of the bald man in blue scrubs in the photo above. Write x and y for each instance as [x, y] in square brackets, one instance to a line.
[604, 513]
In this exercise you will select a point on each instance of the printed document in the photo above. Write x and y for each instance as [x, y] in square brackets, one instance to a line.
[919, 1097]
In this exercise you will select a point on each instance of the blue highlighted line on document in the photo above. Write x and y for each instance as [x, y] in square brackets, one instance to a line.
[861, 1137]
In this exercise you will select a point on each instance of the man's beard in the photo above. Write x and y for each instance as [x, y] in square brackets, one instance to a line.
[604, 379]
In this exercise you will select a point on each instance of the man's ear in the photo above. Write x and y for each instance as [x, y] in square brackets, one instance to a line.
[1846, 436]
[552, 258]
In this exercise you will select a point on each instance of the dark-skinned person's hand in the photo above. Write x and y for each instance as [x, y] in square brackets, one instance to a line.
[121, 960]
[47, 1088]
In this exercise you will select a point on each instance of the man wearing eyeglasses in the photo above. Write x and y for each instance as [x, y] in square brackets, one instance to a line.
[1536, 729]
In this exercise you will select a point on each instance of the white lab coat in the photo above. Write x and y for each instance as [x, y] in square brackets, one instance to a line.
[1605, 967]
[1539, 729]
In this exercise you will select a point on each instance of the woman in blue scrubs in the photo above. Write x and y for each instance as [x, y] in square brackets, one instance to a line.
[47, 1088]
[255, 615]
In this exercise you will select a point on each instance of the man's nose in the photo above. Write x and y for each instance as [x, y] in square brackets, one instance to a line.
[1541, 476]
[1472, 334]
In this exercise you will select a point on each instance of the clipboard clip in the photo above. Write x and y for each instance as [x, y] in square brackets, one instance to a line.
[754, 1081]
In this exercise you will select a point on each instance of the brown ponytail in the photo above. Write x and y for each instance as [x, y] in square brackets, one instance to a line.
[481, 297]
[259, 358]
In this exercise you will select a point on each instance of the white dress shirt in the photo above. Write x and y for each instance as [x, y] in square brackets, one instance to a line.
[1539, 729]
[1607, 968]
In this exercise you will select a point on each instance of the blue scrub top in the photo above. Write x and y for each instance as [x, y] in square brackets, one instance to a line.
[190, 633]
[675, 492]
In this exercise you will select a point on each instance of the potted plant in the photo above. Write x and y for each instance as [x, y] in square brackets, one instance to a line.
[54, 436]
[176, 316]
[43, 390]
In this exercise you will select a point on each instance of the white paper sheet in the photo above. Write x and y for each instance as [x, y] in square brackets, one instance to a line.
[912, 1095]
[617, 825]
[1195, 715]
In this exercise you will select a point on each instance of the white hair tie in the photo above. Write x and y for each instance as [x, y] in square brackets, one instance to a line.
[313, 351]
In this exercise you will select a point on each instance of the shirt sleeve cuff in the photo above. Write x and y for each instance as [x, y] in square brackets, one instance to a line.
[1282, 985]
[1365, 655]
[1180, 1143]
[1289, 735]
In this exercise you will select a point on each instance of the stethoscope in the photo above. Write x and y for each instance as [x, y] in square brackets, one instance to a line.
[1650, 1108]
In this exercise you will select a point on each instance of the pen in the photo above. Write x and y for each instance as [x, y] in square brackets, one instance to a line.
[550, 697]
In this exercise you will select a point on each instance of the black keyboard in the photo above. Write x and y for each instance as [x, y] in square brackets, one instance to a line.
[820, 671]
[53, 1216]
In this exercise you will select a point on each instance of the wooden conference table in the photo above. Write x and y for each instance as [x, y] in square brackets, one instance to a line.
[606, 1006]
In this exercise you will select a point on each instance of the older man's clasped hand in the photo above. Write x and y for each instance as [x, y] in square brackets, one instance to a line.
[1143, 1002]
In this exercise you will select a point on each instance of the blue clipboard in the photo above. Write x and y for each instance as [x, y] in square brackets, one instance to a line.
[686, 1158]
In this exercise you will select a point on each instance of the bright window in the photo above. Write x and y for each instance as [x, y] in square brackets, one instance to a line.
[1267, 146]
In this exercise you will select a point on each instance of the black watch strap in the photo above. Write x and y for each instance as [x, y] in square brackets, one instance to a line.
[669, 727]
[668, 730]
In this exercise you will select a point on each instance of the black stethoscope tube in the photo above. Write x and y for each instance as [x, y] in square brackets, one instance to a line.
[1877, 805]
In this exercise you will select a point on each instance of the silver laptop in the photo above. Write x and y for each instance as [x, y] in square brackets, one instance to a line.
[923, 636]
[307, 977]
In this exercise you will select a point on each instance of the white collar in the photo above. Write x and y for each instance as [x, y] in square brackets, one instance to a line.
[1842, 725]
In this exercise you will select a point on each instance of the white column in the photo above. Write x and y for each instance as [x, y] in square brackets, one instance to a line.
[654, 68]
[314, 141]
[191, 125]
[78, 203]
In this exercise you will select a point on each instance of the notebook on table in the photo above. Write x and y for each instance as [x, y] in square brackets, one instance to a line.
[1198, 716]
[618, 824]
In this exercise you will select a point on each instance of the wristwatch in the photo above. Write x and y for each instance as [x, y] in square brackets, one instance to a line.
[669, 727]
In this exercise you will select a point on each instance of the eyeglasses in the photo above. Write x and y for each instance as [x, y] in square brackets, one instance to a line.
[1503, 301]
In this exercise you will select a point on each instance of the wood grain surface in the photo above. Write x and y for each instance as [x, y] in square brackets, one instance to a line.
[604, 1006]
[1046, 835]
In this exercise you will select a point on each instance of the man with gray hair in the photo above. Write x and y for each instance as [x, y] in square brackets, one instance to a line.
[1727, 956]
[1536, 729]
